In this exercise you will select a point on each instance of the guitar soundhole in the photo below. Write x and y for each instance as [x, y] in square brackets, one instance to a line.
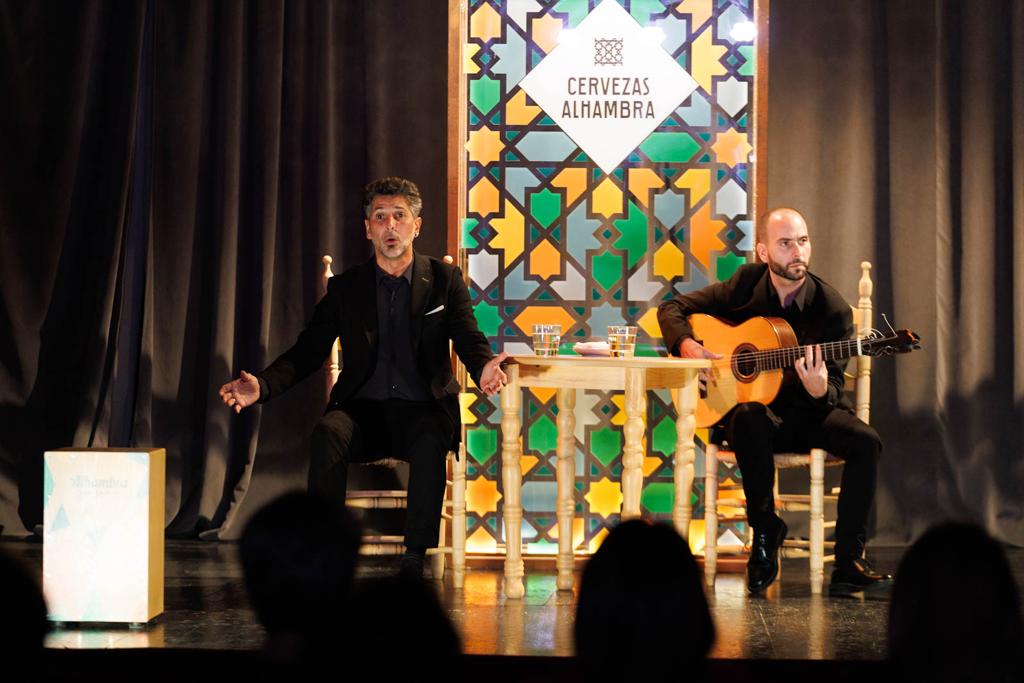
[744, 363]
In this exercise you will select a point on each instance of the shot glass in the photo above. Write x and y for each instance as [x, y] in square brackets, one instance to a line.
[622, 340]
[546, 339]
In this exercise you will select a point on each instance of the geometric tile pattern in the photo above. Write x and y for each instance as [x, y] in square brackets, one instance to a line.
[551, 238]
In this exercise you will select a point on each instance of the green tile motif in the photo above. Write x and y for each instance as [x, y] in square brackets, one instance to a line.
[727, 265]
[482, 443]
[748, 53]
[643, 9]
[468, 241]
[606, 444]
[669, 147]
[545, 207]
[607, 269]
[487, 318]
[663, 436]
[542, 436]
[657, 497]
[484, 93]
[634, 234]
[576, 9]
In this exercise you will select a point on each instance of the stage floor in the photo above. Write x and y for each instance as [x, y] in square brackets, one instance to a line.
[206, 607]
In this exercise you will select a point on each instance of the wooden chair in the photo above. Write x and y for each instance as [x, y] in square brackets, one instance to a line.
[453, 508]
[814, 501]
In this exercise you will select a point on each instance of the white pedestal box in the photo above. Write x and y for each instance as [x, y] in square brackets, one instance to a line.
[103, 534]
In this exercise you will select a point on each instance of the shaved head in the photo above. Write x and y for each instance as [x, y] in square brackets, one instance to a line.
[782, 214]
[783, 244]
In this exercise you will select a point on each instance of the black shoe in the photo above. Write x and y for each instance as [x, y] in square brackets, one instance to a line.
[852, 575]
[411, 566]
[763, 565]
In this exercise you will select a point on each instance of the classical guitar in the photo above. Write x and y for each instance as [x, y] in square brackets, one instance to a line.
[755, 352]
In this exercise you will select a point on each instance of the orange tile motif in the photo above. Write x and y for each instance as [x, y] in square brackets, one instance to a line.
[518, 112]
[551, 315]
[642, 181]
[484, 197]
[545, 30]
[704, 235]
[545, 260]
[482, 495]
[732, 147]
[485, 23]
[574, 180]
[484, 146]
[606, 199]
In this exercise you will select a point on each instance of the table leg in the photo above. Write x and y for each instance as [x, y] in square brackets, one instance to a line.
[686, 425]
[566, 476]
[512, 482]
[632, 451]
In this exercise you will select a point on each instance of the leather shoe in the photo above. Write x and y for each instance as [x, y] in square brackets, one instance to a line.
[852, 575]
[411, 566]
[763, 565]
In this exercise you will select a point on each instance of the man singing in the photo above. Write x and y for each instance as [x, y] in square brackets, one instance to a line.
[810, 410]
[396, 395]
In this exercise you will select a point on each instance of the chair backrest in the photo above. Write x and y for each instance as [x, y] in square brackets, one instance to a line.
[862, 322]
[331, 367]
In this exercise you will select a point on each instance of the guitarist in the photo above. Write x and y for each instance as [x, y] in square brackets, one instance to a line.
[810, 409]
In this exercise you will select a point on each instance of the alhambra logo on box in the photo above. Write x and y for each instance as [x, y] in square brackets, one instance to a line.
[608, 83]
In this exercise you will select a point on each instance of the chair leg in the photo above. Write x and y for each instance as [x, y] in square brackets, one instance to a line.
[817, 520]
[437, 560]
[710, 513]
[459, 518]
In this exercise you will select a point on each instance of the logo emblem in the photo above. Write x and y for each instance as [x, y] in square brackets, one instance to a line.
[608, 83]
[607, 51]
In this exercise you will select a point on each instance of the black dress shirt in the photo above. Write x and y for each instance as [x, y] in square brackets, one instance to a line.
[395, 374]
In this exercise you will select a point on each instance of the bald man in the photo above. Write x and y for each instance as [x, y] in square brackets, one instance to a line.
[811, 409]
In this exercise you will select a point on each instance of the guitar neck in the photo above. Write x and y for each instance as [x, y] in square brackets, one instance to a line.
[785, 357]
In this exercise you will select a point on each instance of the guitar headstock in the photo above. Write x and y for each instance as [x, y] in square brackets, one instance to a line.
[900, 341]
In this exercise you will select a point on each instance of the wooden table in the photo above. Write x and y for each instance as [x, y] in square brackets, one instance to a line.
[567, 374]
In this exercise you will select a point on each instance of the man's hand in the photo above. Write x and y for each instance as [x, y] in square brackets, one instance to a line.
[690, 348]
[493, 378]
[812, 372]
[242, 392]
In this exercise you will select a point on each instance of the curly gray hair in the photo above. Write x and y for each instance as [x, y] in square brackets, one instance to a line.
[392, 186]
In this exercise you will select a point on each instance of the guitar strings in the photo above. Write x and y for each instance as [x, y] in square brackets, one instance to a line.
[774, 359]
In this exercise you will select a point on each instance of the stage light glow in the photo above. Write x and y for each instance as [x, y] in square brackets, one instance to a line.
[743, 32]
[654, 34]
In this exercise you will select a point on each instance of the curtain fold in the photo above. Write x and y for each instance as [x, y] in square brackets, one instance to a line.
[69, 75]
[897, 127]
[261, 137]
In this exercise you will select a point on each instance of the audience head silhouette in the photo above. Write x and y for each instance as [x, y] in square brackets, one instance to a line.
[955, 612]
[298, 556]
[397, 625]
[641, 607]
[23, 623]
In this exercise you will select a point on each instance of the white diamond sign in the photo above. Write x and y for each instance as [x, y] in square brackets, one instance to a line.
[608, 83]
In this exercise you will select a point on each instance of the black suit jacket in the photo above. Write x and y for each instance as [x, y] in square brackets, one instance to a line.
[439, 311]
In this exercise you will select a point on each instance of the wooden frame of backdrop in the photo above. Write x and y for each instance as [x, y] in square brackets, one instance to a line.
[458, 35]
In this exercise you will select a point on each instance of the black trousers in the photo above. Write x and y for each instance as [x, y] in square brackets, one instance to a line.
[755, 432]
[420, 433]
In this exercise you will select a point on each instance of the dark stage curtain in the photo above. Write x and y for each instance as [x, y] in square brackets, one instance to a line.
[171, 173]
[898, 128]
